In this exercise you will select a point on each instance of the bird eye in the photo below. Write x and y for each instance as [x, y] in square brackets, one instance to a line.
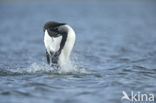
[55, 28]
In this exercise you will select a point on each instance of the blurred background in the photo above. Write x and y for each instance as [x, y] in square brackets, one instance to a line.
[115, 50]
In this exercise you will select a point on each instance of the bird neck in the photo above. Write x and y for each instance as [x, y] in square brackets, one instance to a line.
[67, 42]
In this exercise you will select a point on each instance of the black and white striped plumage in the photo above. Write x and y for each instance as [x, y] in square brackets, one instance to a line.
[59, 39]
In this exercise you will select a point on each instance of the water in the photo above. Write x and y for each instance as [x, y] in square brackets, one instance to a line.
[115, 50]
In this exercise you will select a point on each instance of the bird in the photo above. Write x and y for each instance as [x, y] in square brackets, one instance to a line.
[59, 39]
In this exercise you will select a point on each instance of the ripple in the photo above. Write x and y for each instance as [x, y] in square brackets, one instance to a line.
[15, 92]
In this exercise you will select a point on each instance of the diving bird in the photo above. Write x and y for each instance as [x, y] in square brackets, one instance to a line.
[59, 39]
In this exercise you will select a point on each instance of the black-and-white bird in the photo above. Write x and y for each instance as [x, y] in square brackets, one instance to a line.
[59, 39]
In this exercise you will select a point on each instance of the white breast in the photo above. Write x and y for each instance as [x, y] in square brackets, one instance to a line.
[52, 44]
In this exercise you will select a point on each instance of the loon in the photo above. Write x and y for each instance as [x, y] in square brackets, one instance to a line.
[59, 39]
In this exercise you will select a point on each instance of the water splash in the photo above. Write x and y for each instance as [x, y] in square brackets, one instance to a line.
[42, 68]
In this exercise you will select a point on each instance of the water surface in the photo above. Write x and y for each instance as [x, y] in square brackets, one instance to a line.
[115, 50]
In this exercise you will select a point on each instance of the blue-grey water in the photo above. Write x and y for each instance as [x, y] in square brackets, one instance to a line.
[115, 51]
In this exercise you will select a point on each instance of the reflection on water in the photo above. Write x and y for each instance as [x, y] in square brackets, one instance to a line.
[115, 51]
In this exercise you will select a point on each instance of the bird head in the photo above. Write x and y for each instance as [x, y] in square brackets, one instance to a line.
[54, 29]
